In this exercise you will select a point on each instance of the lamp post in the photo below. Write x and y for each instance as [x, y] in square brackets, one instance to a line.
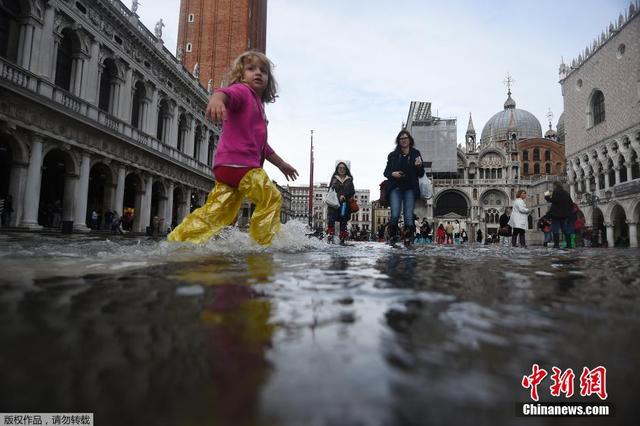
[311, 184]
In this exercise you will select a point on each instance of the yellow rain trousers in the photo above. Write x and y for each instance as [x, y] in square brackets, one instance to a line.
[222, 206]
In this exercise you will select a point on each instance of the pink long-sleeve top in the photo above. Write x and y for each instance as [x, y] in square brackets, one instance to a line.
[244, 133]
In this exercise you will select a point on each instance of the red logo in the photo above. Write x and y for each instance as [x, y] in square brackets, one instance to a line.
[592, 382]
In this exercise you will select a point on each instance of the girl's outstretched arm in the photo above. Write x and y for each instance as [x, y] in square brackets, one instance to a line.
[287, 169]
[217, 109]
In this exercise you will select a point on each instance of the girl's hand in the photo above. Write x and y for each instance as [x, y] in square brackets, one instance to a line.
[288, 171]
[418, 161]
[216, 109]
[397, 175]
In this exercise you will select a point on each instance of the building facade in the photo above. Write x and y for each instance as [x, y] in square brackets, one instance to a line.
[212, 33]
[97, 114]
[512, 154]
[601, 92]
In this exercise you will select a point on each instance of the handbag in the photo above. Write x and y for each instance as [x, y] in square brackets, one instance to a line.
[384, 194]
[504, 231]
[331, 199]
[426, 189]
[353, 205]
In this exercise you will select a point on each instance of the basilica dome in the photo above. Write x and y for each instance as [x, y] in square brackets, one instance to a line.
[560, 128]
[511, 120]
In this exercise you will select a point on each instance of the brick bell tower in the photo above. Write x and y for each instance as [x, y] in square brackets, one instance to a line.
[212, 33]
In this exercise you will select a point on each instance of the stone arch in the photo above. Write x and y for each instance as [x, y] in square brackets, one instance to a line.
[101, 191]
[183, 127]
[57, 187]
[198, 139]
[178, 207]
[10, 16]
[132, 201]
[595, 108]
[137, 104]
[618, 218]
[451, 200]
[110, 76]
[159, 199]
[69, 46]
[164, 117]
[503, 194]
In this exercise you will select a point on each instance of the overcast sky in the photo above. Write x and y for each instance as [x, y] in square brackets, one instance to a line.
[349, 69]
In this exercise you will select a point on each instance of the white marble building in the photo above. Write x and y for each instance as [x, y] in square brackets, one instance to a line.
[97, 114]
[601, 91]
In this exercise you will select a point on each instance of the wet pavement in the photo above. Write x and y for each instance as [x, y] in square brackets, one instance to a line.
[142, 332]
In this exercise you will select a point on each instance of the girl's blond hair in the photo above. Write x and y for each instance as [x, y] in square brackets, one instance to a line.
[520, 192]
[237, 73]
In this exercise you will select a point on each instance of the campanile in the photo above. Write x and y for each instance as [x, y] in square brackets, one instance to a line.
[212, 33]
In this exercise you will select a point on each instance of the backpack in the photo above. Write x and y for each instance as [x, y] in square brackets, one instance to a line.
[579, 217]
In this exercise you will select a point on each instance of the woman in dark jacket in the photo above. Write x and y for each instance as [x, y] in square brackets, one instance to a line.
[560, 210]
[404, 167]
[342, 183]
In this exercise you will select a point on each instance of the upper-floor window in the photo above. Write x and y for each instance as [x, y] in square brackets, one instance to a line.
[597, 107]
[189, 47]
[536, 154]
[547, 155]
[191, 17]
[525, 155]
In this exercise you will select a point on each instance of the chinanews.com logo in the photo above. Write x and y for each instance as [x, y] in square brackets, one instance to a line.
[593, 382]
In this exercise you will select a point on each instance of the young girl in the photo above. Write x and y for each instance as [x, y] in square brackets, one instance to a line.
[241, 153]
[342, 183]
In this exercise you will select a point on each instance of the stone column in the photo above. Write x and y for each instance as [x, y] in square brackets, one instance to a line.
[125, 97]
[77, 74]
[54, 56]
[610, 241]
[173, 134]
[606, 179]
[190, 140]
[114, 96]
[597, 179]
[47, 44]
[633, 234]
[168, 213]
[572, 189]
[91, 91]
[25, 43]
[82, 193]
[629, 171]
[152, 116]
[118, 206]
[145, 213]
[34, 179]
[617, 171]
[17, 184]
[187, 204]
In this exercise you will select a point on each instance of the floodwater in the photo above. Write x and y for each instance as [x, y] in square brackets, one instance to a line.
[142, 332]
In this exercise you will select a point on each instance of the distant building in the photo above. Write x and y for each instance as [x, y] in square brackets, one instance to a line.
[434, 137]
[601, 91]
[512, 154]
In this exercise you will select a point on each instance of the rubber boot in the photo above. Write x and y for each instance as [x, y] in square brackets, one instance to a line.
[343, 237]
[393, 234]
[556, 241]
[408, 236]
[571, 241]
[330, 234]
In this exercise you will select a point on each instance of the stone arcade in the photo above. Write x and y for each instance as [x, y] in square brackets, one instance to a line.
[97, 114]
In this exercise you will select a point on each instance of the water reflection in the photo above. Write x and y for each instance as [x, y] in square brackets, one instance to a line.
[360, 335]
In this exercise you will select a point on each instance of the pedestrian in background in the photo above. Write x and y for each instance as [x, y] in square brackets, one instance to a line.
[559, 212]
[342, 182]
[505, 230]
[519, 218]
